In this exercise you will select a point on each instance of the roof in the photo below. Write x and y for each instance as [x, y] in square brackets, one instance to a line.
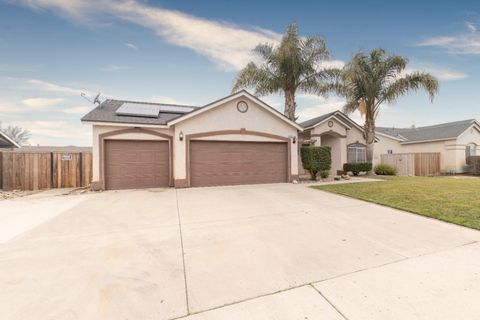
[444, 131]
[233, 96]
[7, 142]
[317, 120]
[106, 112]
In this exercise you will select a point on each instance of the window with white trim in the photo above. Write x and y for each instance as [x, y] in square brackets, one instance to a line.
[471, 150]
[356, 152]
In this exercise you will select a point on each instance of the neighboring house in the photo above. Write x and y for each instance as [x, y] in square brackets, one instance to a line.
[6, 142]
[238, 139]
[336, 130]
[454, 141]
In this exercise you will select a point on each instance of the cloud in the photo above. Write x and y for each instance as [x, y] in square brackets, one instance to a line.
[319, 107]
[463, 43]
[42, 103]
[77, 110]
[56, 132]
[227, 45]
[131, 46]
[113, 68]
[442, 73]
[52, 87]
[471, 26]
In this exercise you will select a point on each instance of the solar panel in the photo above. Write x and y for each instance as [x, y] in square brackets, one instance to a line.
[139, 110]
[150, 110]
[175, 109]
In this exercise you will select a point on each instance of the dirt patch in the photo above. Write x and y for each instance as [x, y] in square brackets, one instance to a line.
[5, 195]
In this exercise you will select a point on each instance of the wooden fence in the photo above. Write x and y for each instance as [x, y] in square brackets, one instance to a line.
[413, 164]
[43, 170]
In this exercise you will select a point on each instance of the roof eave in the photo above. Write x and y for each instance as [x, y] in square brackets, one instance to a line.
[428, 140]
[10, 140]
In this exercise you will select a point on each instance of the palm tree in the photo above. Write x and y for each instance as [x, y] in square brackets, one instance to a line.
[369, 80]
[294, 65]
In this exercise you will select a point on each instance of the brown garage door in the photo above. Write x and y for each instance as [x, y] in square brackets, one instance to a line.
[136, 164]
[215, 163]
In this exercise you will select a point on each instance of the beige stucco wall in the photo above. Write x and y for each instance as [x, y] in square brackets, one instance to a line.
[99, 129]
[227, 117]
[383, 145]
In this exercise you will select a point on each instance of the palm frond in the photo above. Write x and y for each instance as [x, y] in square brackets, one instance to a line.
[408, 83]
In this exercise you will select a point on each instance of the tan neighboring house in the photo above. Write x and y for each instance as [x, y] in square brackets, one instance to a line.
[238, 139]
[454, 141]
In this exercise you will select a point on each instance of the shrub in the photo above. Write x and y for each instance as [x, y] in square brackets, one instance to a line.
[385, 170]
[356, 168]
[316, 159]
[324, 174]
[473, 163]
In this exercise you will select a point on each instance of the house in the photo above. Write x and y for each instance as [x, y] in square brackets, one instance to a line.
[336, 130]
[454, 141]
[238, 139]
[6, 142]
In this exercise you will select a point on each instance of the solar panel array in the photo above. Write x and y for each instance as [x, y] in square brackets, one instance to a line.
[149, 110]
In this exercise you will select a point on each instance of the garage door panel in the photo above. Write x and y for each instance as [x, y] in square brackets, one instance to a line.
[136, 164]
[230, 162]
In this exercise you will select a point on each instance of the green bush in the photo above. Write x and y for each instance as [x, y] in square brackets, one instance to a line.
[385, 170]
[356, 168]
[324, 174]
[316, 159]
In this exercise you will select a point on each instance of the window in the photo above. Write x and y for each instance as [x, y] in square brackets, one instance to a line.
[471, 150]
[390, 151]
[356, 153]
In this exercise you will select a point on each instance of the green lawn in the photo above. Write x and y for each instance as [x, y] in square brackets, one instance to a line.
[445, 198]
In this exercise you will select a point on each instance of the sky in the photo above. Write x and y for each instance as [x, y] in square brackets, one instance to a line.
[189, 52]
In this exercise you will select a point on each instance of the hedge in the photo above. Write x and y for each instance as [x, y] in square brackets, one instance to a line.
[356, 168]
[385, 170]
[316, 159]
[473, 163]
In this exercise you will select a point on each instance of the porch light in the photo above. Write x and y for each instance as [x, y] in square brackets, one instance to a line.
[180, 136]
[294, 139]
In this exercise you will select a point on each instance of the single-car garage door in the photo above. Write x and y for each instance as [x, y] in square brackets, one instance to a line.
[133, 164]
[216, 163]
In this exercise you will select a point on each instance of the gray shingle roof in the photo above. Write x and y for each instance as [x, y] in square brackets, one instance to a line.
[314, 121]
[444, 131]
[106, 112]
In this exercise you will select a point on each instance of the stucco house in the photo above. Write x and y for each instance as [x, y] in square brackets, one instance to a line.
[238, 139]
[454, 141]
[6, 142]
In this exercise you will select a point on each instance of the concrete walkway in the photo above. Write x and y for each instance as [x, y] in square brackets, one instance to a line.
[250, 252]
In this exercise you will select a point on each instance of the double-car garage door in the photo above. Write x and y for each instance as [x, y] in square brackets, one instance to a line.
[145, 164]
[216, 163]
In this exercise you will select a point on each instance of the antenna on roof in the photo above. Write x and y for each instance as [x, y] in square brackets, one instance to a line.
[95, 101]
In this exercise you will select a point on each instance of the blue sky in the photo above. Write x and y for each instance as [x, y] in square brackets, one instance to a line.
[189, 52]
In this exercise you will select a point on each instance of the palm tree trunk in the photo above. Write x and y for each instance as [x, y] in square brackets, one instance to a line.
[290, 104]
[370, 137]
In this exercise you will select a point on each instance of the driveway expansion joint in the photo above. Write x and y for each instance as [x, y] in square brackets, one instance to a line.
[183, 253]
[329, 302]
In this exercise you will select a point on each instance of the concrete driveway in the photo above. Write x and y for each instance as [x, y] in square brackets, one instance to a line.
[250, 252]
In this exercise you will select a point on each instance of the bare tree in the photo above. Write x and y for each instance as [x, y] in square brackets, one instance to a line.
[17, 134]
